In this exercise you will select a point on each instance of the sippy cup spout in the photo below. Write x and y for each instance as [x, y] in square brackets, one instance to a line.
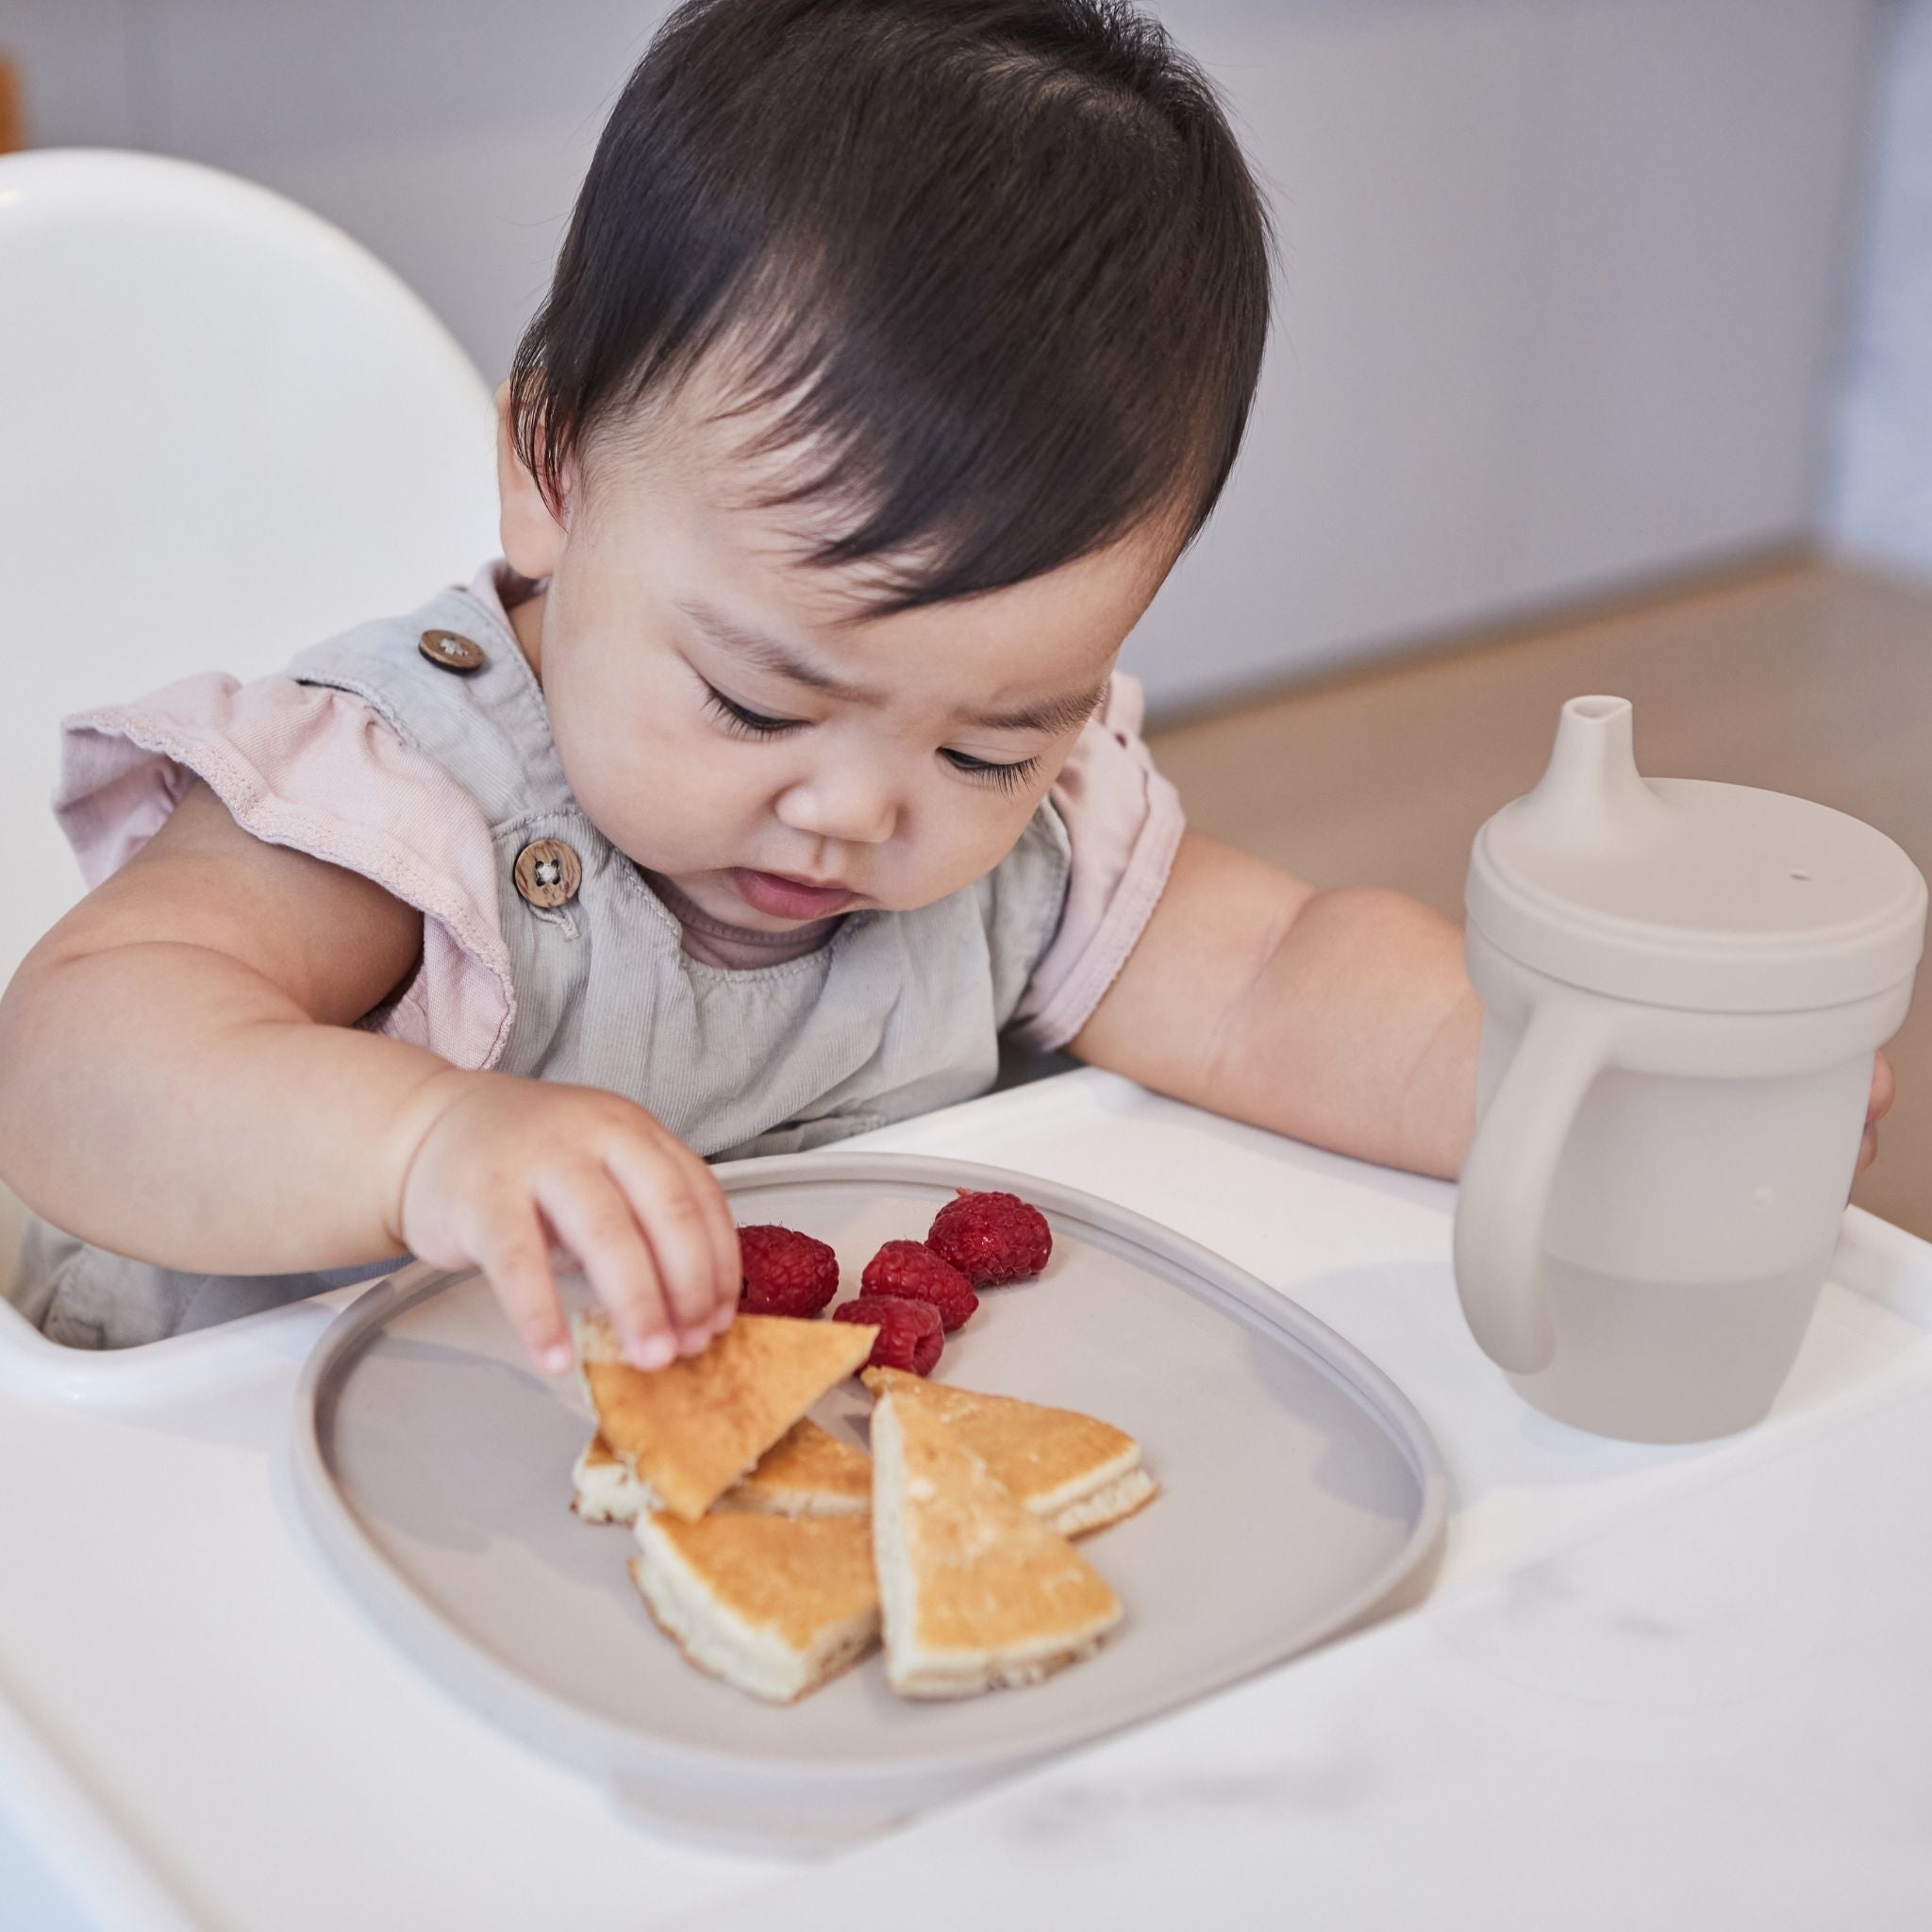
[1591, 797]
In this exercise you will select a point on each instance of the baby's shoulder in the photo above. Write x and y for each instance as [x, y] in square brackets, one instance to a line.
[449, 680]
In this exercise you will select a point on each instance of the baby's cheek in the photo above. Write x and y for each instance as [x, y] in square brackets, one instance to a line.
[967, 844]
[648, 804]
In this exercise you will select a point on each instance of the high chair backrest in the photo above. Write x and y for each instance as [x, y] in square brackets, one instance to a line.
[226, 431]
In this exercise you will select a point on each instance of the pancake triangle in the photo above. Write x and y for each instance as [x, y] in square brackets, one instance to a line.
[1075, 1472]
[773, 1604]
[976, 1591]
[692, 1430]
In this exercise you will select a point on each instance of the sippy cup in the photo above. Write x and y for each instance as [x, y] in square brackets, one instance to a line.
[1684, 986]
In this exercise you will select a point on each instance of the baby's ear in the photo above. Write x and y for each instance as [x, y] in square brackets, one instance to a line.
[532, 535]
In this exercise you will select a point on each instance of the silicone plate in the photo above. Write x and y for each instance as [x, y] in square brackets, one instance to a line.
[1301, 1495]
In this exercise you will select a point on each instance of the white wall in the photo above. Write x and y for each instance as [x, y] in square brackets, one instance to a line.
[448, 136]
[1561, 278]
[1560, 309]
[1881, 497]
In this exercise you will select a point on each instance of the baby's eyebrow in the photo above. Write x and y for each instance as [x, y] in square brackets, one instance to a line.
[772, 654]
[1051, 715]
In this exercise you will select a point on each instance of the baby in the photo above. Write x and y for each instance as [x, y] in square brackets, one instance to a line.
[776, 770]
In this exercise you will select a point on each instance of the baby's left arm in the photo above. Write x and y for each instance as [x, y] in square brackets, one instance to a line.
[1343, 1018]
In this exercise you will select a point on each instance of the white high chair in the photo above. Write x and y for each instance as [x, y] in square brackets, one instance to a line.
[226, 431]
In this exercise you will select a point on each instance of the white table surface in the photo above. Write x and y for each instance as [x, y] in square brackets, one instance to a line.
[1691, 1687]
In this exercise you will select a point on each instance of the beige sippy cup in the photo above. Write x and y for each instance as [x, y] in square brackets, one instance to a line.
[1684, 986]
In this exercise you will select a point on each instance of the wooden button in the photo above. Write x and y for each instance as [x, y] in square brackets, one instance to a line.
[547, 874]
[449, 650]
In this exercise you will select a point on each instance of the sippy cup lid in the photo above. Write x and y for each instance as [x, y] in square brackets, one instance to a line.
[1680, 892]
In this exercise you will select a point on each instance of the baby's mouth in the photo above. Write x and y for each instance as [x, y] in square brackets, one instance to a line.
[783, 895]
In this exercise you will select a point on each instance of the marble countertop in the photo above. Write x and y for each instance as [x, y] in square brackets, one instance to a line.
[1684, 1685]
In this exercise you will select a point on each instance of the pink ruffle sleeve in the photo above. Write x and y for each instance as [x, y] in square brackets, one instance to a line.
[1125, 821]
[319, 771]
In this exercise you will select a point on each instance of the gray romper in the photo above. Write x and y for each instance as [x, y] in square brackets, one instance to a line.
[897, 1014]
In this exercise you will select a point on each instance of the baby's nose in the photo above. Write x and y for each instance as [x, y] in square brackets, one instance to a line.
[849, 804]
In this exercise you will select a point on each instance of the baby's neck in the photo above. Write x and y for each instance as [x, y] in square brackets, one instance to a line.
[523, 605]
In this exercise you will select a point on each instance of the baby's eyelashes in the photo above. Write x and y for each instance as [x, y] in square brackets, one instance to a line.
[1007, 777]
[741, 719]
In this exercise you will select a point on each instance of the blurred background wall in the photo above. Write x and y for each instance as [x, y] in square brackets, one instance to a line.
[1880, 505]
[1575, 295]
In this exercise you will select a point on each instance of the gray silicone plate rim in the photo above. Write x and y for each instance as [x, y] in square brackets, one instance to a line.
[632, 1760]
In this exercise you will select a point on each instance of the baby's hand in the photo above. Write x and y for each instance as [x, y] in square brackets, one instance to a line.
[1884, 1091]
[509, 1168]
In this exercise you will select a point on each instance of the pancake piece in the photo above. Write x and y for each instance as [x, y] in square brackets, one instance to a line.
[976, 1591]
[804, 1473]
[807, 1471]
[602, 1489]
[690, 1430]
[1075, 1472]
[773, 1604]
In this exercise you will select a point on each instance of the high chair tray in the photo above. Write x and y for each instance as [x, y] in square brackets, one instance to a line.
[1301, 1495]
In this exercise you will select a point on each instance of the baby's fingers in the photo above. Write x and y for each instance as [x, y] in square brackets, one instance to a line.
[513, 1253]
[1884, 1091]
[723, 1233]
[594, 1220]
[680, 1209]
[732, 1286]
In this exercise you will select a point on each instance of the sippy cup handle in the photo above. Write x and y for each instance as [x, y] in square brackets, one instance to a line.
[1504, 1200]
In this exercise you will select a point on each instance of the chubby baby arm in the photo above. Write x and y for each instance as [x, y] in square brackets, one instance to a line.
[1343, 1018]
[181, 1080]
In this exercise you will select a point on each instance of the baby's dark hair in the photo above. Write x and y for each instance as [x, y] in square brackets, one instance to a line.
[994, 268]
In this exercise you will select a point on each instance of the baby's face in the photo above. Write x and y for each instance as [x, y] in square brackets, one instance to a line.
[728, 718]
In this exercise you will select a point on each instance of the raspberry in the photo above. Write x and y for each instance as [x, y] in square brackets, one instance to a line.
[911, 1333]
[911, 1269]
[990, 1238]
[785, 1273]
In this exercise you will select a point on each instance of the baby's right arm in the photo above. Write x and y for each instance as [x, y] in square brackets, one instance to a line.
[181, 1081]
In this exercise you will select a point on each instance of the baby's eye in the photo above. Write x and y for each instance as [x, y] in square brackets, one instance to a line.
[1004, 777]
[748, 724]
